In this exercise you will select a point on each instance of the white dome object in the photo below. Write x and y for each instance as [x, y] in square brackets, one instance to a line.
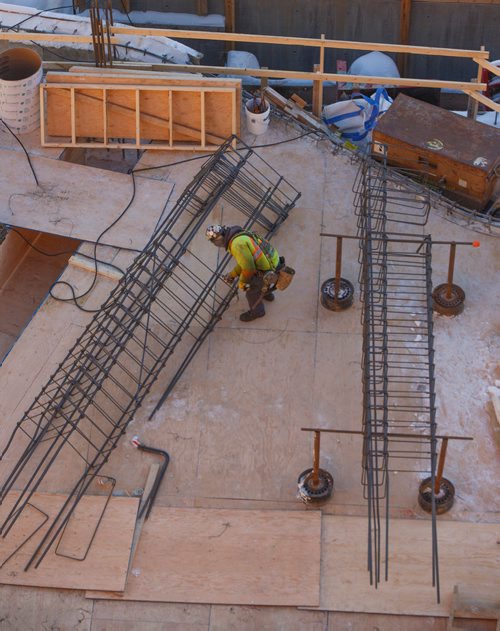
[374, 64]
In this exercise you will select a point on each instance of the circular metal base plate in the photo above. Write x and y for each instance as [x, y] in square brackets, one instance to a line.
[343, 300]
[309, 492]
[444, 499]
[448, 305]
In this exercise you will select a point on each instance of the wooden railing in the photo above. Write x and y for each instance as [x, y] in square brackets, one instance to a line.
[318, 75]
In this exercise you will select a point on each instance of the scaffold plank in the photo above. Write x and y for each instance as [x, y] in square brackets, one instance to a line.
[248, 557]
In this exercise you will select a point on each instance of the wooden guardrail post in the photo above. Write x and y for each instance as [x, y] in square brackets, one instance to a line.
[404, 34]
[317, 94]
[230, 21]
[473, 104]
[202, 7]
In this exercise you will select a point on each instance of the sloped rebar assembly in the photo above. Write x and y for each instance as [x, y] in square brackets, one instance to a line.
[169, 300]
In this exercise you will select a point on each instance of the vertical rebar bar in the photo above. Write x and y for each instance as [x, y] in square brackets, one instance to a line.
[451, 268]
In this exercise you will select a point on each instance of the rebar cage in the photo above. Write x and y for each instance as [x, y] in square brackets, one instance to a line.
[399, 416]
[170, 298]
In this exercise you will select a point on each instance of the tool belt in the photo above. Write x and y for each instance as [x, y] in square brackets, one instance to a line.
[285, 277]
[279, 278]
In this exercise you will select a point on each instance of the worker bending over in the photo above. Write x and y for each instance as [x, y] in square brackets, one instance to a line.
[254, 256]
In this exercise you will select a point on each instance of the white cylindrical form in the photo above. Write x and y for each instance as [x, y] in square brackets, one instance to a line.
[20, 75]
[257, 123]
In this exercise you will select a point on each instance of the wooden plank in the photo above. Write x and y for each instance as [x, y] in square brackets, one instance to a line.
[107, 559]
[50, 37]
[468, 555]
[300, 41]
[82, 75]
[227, 557]
[483, 99]
[103, 269]
[486, 64]
[71, 202]
[150, 480]
[292, 74]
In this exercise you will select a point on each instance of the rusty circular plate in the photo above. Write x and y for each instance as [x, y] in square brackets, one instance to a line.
[344, 299]
[308, 492]
[448, 305]
[444, 499]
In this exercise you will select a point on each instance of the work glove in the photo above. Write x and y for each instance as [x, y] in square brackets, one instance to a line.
[228, 279]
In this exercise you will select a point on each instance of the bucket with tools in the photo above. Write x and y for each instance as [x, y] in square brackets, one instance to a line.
[258, 114]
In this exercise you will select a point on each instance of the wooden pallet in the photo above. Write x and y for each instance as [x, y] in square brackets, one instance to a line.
[133, 110]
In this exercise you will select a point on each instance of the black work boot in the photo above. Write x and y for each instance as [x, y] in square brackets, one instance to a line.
[269, 296]
[248, 316]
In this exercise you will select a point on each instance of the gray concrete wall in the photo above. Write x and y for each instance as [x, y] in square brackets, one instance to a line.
[449, 24]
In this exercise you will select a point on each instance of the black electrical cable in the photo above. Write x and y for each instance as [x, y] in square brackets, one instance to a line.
[282, 142]
[74, 298]
[25, 151]
[173, 164]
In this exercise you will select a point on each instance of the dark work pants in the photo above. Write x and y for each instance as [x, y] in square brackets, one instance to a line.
[254, 294]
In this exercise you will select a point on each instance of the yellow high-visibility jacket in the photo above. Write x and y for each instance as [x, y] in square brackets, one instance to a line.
[249, 251]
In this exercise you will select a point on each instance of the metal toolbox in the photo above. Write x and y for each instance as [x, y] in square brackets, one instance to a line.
[460, 155]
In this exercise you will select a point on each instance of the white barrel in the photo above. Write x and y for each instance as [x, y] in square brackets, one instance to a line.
[257, 123]
[20, 76]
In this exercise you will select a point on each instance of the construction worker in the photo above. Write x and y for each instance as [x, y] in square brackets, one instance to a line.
[254, 256]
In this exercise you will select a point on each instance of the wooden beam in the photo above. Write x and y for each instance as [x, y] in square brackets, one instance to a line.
[202, 7]
[477, 96]
[486, 64]
[49, 37]
[404, 34]
[317, 95]
[299, 41]
[326, 76]
[95, 267]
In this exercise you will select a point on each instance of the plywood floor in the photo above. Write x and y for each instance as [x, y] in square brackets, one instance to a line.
[106, 562]
[227, 556]
[233, 430]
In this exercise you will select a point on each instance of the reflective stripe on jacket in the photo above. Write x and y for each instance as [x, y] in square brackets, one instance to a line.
[250, 256]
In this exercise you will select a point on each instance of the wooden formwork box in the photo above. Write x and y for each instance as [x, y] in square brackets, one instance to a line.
[459, 154]
[131, 111]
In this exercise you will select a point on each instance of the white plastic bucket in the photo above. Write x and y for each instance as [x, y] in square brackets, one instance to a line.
[257, 123]
[20, 75]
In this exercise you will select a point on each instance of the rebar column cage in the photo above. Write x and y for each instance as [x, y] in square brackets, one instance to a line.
[169, 299]
[398, 352]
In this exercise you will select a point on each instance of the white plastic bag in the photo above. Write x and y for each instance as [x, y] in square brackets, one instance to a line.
[357, 117]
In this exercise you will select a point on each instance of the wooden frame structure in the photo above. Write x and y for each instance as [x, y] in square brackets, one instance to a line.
[131, 112]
